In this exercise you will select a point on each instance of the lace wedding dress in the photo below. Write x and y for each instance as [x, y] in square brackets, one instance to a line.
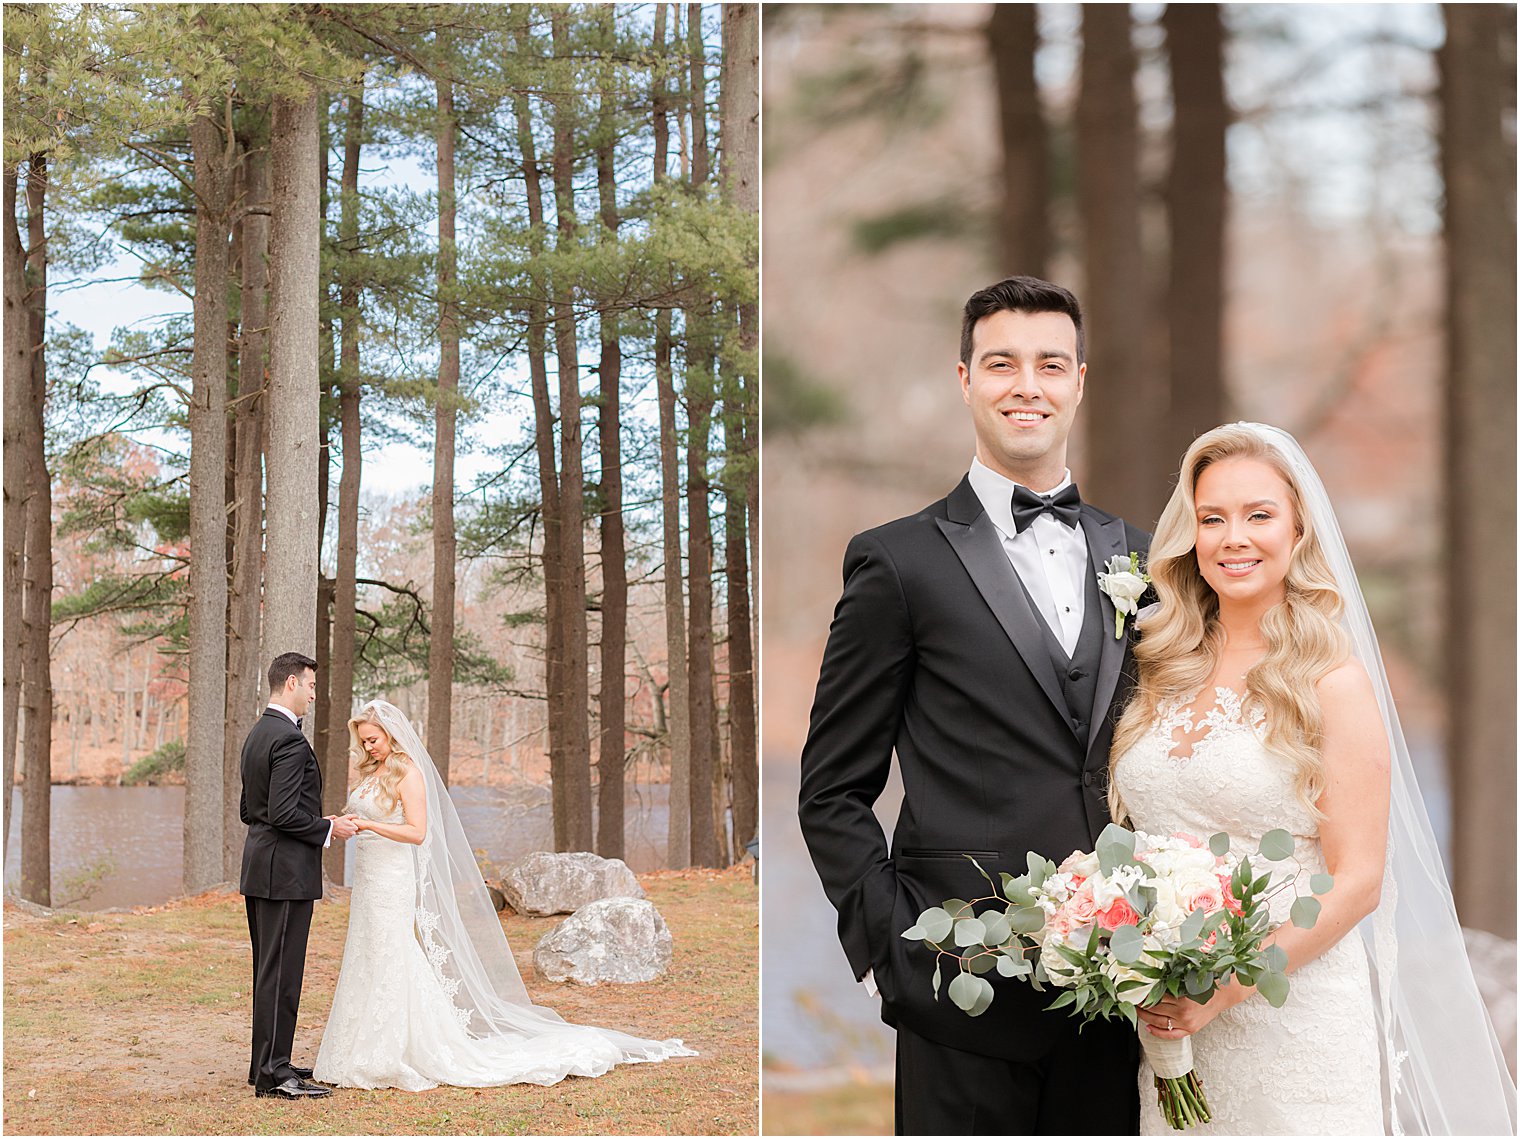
[396, 1020]
[1311, 1067]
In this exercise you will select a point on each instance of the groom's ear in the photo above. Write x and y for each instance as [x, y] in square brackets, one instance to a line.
[964, 374]
[1081, 380]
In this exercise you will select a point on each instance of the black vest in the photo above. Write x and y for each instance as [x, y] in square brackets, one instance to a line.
[1077, 673]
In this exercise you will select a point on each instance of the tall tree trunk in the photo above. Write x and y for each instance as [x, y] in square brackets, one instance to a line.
[1127, 399]
[208, 519]
[548, 469]
[345, 575]
[18, 398]
[1477, 66]
[612, 750]
[576, 692]
[739, 114]
[678, 845]
[1023, 245]
[290, 610]
[700, 382]
[245, 654]
[1195, 206]
[441, 648]
[327, 381]
[37, 604]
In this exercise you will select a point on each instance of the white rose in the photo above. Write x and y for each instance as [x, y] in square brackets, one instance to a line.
[1123, 586]
[1079, 864]
[1061, 971]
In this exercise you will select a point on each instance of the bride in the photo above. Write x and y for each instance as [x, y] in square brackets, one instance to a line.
[1262, 703]
[428, 992]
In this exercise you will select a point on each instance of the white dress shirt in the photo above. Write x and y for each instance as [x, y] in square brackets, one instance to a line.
[1049, 557]
[296, 720]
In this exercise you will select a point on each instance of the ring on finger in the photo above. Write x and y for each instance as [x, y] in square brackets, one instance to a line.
[1168, 1024]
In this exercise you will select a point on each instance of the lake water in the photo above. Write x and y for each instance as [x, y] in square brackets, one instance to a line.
[135, 836]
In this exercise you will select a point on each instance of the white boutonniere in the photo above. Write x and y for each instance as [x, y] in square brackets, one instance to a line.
[1124, 582]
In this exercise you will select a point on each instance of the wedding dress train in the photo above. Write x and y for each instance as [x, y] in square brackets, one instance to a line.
[427, 997]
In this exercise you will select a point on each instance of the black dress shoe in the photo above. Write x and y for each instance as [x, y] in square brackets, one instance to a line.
[294, 1088]
[301, 1074]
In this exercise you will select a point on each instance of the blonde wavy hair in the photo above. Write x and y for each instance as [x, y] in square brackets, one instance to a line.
[392, 768]
[1181, 638]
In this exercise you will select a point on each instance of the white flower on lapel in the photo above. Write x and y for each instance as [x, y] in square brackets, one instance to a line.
[1125, 583]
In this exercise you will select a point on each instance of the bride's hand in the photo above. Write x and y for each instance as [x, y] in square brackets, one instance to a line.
[1174, 1018]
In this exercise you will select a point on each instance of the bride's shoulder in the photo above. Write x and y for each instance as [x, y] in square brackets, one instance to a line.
[1346, 690]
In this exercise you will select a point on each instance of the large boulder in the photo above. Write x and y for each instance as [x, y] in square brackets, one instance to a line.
[545, 883]
[624, 940]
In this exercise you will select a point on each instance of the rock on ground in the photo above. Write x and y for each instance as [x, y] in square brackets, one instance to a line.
[623, 940]
[545, 883]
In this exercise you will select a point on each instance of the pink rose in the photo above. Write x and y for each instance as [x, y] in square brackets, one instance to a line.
[1189, 839]
[1207, 899]
[1058, 923]
[1080, 909]
[1070, 861]
[1227, 895]
[1120, 912]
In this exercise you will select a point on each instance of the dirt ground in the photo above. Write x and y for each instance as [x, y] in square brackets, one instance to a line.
[138, 1024]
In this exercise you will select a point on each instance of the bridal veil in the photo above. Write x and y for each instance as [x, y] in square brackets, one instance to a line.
[1443, 1069]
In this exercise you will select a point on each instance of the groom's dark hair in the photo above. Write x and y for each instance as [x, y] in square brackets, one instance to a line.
[285, 666]
[1020, 294]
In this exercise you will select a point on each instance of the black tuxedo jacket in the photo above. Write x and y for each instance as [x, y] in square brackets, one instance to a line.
[282, 805]
[936, 653]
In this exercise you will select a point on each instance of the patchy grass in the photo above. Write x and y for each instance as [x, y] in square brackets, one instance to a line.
[849, 1109]
[138, 1024]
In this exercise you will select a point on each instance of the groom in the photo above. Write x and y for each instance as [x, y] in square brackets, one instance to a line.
[972, 640]
[282, 870]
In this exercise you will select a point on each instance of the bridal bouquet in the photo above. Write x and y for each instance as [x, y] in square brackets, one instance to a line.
[1139, 918]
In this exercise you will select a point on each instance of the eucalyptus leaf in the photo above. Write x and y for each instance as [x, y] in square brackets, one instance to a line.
[1322, 883]
[1198, 982]
[1276, 845]
[1276, 957]
[1273, 986]
[1219, 844]
[970, 993]
[1039, 868]
[998, 928]
[979, 869]
[1027, 921]
[1016, 890]
[1013, 967]
[935, 922]
[1305, 912]
[935, 981]
[984, 962]
[1193, 925]
[969, 931]
[956, 907]
[1126, 945]
[914, 933]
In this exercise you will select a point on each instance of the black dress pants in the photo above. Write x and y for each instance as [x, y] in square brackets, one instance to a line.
[1084, 1086]
[278, 931]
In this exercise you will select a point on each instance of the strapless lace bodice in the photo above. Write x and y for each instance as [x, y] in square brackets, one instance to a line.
[1310, 1067]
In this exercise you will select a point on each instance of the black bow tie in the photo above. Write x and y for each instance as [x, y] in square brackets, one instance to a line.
[1065, 504]
[301, 722]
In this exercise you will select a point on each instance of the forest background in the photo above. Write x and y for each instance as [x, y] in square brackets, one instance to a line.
[507, 252]
[1299, 214]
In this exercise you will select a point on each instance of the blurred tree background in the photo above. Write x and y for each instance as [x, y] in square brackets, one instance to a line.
[1298, 214]
[523, 237]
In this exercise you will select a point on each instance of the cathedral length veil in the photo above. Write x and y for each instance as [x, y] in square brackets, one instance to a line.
[1442, 1067]
[461, 934]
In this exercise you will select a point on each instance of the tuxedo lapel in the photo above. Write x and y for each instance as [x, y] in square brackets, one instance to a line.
[1104, 540]
[977, 543]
